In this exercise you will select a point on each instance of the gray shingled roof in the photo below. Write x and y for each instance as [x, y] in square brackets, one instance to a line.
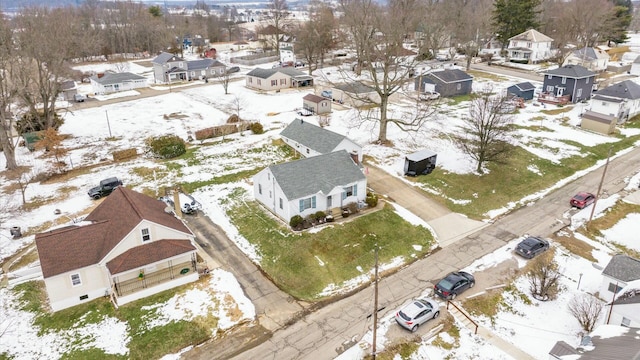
[116, 78]
[606, 98]
[623, 268]
[572, 71]
[311, 136]
[525, 86]
[561, 348]
[589, 53]
[202, 64]
[613, 342]
[623, 90]
[355, 87]
[532, 35]
[267, 73]
[450, 76]
[164, 57]
[320, 173]
[601, 118]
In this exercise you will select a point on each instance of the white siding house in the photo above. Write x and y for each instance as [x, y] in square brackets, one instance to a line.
[311, 140]
[620, 271]
[114, 82]
[531, 46]
[621, 100]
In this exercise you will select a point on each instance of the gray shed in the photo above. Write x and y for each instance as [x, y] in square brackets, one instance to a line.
[420, 163]
[523, 90]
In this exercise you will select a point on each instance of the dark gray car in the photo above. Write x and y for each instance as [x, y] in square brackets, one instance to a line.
[454, 284]
[532, 246]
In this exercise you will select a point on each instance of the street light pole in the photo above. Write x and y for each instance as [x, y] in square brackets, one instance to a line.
[595, 201]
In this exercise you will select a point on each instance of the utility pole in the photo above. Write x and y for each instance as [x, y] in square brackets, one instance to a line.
[593, 209]
[108, 125]
[375, 305]
[615, 291]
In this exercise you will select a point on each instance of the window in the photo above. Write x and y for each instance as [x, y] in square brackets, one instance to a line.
[180, 64]
[75, 280]
[549, 88]
[579, 93]
[250, 80]
[84, 297]
[614, 288]
[259, 82]
[213, 72]
[549, 76]
[459, 86]
[281, 202]
[269, 194]
[283, 81]
[193, 74]
[307, 151]
[274, 82]
[604, 103]
[587, 81]
[564, 80]
[625, 322]
[269, 176]
[145, 234]
[260, 189]
[349, 191]
[529, 45]
[308, 203]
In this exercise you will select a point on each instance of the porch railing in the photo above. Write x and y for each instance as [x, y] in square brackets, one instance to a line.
[126, 287]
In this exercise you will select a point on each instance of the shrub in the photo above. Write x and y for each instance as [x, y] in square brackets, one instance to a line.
[256, 128]
[166, 146]
[296, 221]
[319, 215]
[371, 200]
[353, 207]
[31, 122]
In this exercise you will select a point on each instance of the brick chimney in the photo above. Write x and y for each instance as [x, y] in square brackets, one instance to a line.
[354, 156]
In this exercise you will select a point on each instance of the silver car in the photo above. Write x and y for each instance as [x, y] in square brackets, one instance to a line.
[416, 313]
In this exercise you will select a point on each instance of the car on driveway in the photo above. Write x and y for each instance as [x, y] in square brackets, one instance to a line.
[105, 188]
[454, 284]
[532, 246]
[326, 94]
[429, 95]
[582, 199]
[416, 313]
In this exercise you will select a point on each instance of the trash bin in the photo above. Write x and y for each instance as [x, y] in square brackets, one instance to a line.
[15, 232]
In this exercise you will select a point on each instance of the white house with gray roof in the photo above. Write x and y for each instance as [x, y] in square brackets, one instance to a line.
[530, 46]
[311, 140]
[169, 68]
[620, 271]
[593, 59]
[621, 100]
[111, 82]
[625, 308]
[277, 78]
[605, 342]
[304, 187]
[355, 94]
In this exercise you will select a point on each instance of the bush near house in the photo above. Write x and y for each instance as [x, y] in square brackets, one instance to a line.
[371, 200]
[256, 128]
[296, 221]
[166, 146]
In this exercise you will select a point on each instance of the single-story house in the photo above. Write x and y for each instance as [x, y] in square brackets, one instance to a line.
[570, 83]
[306, 186]
[593, 59]
[355, 94]
[68, 89]
[530, 46]
[601, 123]
[311, 140]
[127, 248]
[605, 342]
[624, 310]
[169, 68]
[524, 90]
[621, 100]
[316, 104]
[110, 82]
[618, 273]
[448, 82]
[277, 78]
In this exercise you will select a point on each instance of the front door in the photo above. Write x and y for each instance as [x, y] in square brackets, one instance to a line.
[329, 201]
[560, 91]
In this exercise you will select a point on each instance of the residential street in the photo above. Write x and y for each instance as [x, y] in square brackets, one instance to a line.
[324, 333]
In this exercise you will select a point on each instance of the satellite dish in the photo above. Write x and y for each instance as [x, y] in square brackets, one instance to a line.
[168, 209]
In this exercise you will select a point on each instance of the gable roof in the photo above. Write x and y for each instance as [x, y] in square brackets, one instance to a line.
[147, 254]
[77, 246]
[355, 87]
[571, 71]
[203, 64]
[623, 268]
[314, 137]
[116, 78]
[598, 117]
[532, 35]
[612, 342]
[589, 53]
[165, 57]
[448, 76]
[267, 73]
[524, 86]
[561, 348]
[320, 173]
[314, 98]
[629, 294]
[623, 90]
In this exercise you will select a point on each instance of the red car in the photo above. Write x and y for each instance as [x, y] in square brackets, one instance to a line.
[582, 199]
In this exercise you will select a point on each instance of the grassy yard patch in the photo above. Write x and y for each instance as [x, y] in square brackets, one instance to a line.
[575, 246]
[557, 110]
[618, 212]
[304, 264]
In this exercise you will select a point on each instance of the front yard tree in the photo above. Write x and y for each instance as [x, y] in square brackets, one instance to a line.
[587, 309]
[384, 60]
[7, 95]
[315, 37]
[543, 274]
[277, 14]
[512, 17]
[486, 130]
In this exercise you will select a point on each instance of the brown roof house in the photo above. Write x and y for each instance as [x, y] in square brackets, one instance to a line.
[316, 104]
[129, 247]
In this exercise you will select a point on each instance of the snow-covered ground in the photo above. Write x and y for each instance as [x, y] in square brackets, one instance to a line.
[96, 132]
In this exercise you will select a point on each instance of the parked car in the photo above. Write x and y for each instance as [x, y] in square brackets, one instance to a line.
[532, 246]
[429, 95]
[454, 284]
[105, 188]
[304, 112]
[189, 205]
[327, 94]
[299, 64]
[233, 69]
[418, 312]
[79, 98]
[582, 199]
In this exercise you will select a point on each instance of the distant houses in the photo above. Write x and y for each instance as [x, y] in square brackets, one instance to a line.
[169, 68]
[111, 82]
[277, 79]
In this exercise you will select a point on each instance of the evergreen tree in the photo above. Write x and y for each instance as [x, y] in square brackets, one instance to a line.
[512, 17]
[615, 29]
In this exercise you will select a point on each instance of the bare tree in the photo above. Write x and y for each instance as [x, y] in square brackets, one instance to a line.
[24, 180]
[277, 14]
[8, 94]
[236, 105]
[543, 275]
[315, 37]
[486, 131]
[587, 309]
[224, 78]
[469, 22]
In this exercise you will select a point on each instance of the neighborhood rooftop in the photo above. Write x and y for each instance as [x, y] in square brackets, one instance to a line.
[312, 136]
[623, 268]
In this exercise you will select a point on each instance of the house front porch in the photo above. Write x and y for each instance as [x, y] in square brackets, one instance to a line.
[549, 98]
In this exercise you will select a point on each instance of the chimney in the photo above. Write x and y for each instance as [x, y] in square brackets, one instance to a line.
[301, 121]
[176, 203]
[100, 75]
[354, 156]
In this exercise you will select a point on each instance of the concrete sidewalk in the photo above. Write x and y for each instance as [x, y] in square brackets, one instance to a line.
[449, 227]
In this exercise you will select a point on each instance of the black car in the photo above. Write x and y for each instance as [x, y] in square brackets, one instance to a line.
[105, 188]
[532, 246]
[233, 69]
[454, 284]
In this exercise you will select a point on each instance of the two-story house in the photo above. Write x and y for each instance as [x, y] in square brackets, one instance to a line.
[621, 100]
[168, 68]
[569, 83]
[530, 47]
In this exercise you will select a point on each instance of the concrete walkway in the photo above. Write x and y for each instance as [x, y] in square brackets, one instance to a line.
[449, 226]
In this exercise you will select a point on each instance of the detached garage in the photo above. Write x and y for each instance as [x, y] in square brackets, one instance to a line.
[604, 124]
[420, 163]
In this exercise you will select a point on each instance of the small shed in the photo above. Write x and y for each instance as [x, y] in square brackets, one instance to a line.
[316, 104]
[420, 163]
[604, 124]
[524, 90]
